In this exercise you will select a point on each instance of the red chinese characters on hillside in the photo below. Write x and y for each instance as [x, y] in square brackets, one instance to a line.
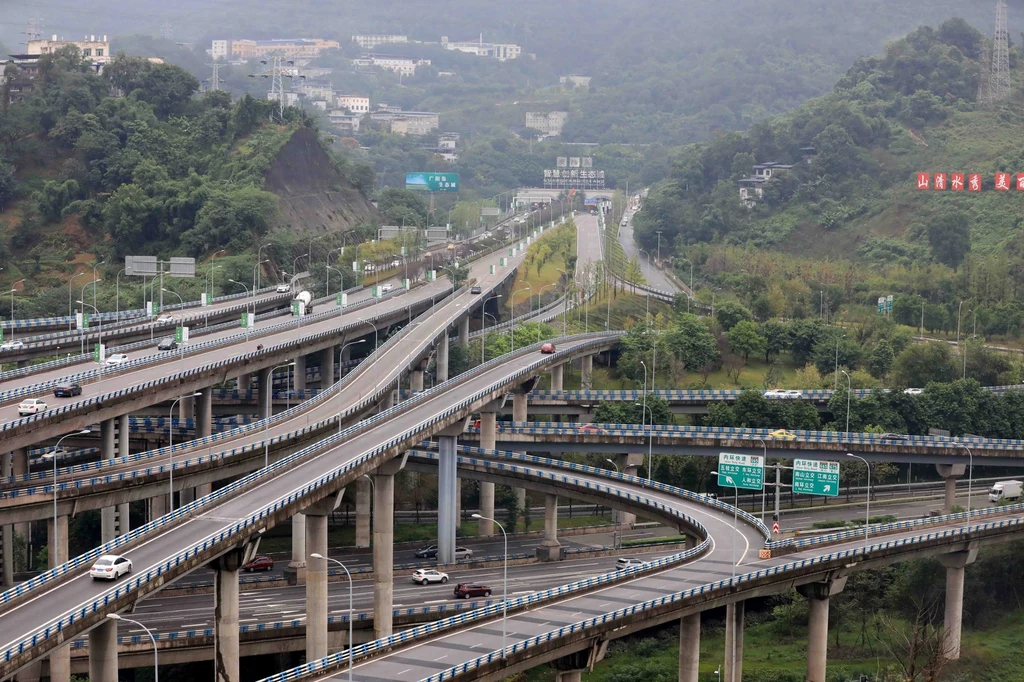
[972, 182]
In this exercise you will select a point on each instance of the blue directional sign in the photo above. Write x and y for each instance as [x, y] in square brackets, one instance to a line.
[816, 477]
[741, 471]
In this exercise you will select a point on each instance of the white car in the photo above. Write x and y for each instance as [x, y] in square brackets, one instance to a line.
[385, 288]
[117, 359]
[463, 553]
[783, 393]
[31, 406]
[627, 562]
[12, 345]
[429, 575]
[165, 318]
[913, 391]
[110, 567]
[395, 263]
[284, 288]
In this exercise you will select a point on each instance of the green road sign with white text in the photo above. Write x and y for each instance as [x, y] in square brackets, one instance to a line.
[816, 477]
[741, 471]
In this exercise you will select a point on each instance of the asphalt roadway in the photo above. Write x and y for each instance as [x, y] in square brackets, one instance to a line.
[655, 277]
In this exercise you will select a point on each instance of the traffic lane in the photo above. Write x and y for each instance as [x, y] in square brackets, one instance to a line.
[588, 238]
[160, 332]
[655, 277]
[170, 614]
[52, 604]
[801, 519]
[352, 393]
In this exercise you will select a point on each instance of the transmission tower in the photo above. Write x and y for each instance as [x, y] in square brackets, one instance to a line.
[276, 88]
[33, 31]
[215, 81]
[995, 61]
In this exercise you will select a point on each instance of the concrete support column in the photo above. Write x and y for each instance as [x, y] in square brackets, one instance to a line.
[733, 670]
[955, 568]
[326, 368]
[19, 467]
[186, 408]
[299, 374]
[950, 472]
[243, 383]
[818, 595]
[108, 445]
[103, 652]
[569, 676]
[487, 437]
[628, 464]
[57, 554]
[124, 522]
[689, 648]
[519, 415]
[295, 571]
[557, 374]
[7, 563]
[416, 379]
[157, 507]
[550, 549]
[447, 475]
[225, 614]
[346, 354]
[464, 332]
[363, 512]
[204, 413]
[442, 357]
[316, 587]
[108, 524]
[587, 371]
[124, 434]
[383, 553]
[266, 391]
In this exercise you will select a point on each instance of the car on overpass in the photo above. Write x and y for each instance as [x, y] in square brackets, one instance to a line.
[31, 406]
[466, 590]
[67, 390]
[110, 567]
[424, 576]
[167, 343]
[547, 348]
[476, 290]
[783, 393]
[627, 562]
[117, 359]
[12, 345]
[284, 288]
[782, 434]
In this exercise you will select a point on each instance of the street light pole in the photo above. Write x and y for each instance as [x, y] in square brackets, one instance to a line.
[970, 472]
[340, 393]
[181, 347]
[71, 313]
[483, 325]
[156, 655]
[849, 390]
[512, 327]
[259, 262]
[735, 516]
[618, 513]
[350, 612]
[13, 289]
[867, 514]
[170, 449]
[56, 449]
[270, 410]
[247, 306]
[504, 584]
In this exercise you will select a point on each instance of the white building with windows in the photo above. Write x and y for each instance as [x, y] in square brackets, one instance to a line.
[354, 103]
[368, 42]
[96, 52]
[401, 65]
[550, 123]
[500, 51]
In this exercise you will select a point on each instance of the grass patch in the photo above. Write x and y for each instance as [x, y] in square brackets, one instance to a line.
[539, 268]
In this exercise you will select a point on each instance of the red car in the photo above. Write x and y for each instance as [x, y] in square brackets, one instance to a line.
[547, 348]
[589, 428]
[465, 590]
[260, 563]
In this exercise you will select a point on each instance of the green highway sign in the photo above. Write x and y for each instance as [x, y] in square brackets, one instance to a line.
[741, 471]
[432, 182]
[816, 477]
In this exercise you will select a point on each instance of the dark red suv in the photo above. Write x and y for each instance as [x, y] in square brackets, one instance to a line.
[465, 590]
[260, 563]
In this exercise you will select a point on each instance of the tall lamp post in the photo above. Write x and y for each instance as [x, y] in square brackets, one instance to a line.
[246, 307]
[735, 516]
[483, 325]
[156, 655]
[94, 280]
[504, 584]
[181, 347]
[970, 472]
[315, 555]
[340, 393]
[170, 449]
[259, 262]
[12, 292]
[269, 411]
[53, 455]
[512, 327]
[849, 390]
[71, 313]
[618, 513]
[255, 270]
[867, 514]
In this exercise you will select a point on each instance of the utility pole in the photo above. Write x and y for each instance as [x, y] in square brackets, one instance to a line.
[995, 81]
[215, 81]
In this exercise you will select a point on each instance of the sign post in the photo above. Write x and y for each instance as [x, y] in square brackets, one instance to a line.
[816, 477]
[99, 353]
[341, 300]
[746, 471]
[432, 182]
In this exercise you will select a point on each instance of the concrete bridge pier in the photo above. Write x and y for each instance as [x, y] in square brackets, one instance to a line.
[225, 614]
[587, 372]
[519, 414]
[299, 374]
[571, 668]
[243, 383]
[19, 467]
[447, 493]
[550, 549]
[327, 367]
[57, 554]
[124, 435]
[733, 669]
[416, 378]
[157, 507]
[442, 357]
[186, 407]
[955, 564]
[818, 595]
[7, 530]
[264, 392]
[488, 422]
[346, 354]
[102, 653]
[689, 648]
[295, 571]
[557, 374]
[464, 332]
[950, 472]
[108, 444]
[363, 512]
[628, 465]
[383, 546]
[316, 575]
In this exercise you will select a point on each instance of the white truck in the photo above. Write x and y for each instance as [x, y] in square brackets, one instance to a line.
[1009, 490]
[306, 299]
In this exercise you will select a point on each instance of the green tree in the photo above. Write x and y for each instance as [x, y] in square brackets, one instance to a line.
[692, 344]
[882, 357]
[804, 335]
[744, 339]
[949, 235]
[8, 183]
[825, 354]
[776, 338]
[657, 411]
[920, 364]
[730, 314]
[459, 274]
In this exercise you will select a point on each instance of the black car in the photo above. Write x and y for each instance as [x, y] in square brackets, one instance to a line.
[69, 390]
[476, 290]
[167, 343]
[428, 552]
